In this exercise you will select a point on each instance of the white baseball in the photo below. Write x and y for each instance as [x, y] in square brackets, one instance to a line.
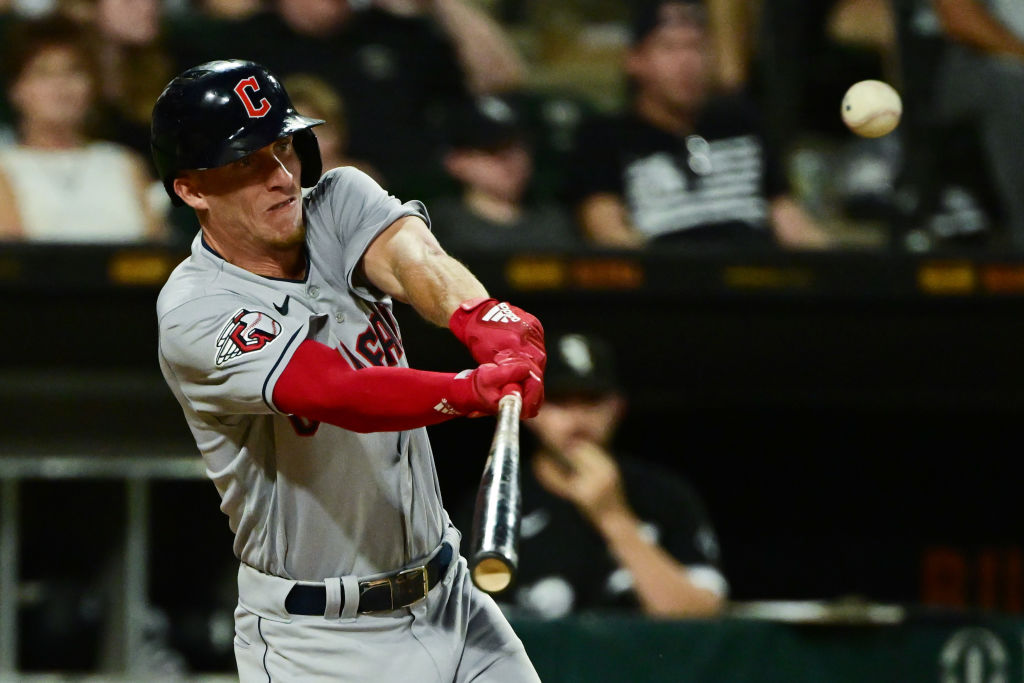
[872, 109]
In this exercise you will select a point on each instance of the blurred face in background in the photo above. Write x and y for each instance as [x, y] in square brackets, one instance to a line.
[502, 173]
[54, 88]
[671, 66]
[567, 421]
[330, 136]
[129, 22]
[314, 17]
[232, 9]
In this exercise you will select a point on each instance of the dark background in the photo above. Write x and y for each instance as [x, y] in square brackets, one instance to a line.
[847, 418]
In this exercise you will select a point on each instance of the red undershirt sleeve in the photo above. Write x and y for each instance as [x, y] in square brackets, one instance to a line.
[318, 384]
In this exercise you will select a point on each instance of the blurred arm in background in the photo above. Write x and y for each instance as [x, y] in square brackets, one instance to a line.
[794, 227]
[592, 481]
[605, 221]
[971, 23]
[491, 61]
[732, 28]
[10, 224]
[657, 550]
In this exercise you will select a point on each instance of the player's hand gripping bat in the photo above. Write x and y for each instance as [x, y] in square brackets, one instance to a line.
[495, 541]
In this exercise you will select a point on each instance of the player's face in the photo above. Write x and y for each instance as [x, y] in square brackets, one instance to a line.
[54, 88]
[256, 200]
[565, 422]
[672, 65]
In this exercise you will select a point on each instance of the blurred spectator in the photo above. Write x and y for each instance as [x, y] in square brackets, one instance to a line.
[133, 61]
[489, 155]
[681, 166]
[312, 96]
[231, 10]
[981, 84]
[600, 530]
[809, 54]
[395, 64]
[56, 183]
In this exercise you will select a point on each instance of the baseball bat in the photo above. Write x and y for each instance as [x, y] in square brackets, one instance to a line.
[495, 540]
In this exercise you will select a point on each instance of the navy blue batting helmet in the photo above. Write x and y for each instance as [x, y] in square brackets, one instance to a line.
[218, 112]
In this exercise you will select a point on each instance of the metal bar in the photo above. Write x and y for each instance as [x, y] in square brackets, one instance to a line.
[9, 548]
[136, 571]
[101, 467]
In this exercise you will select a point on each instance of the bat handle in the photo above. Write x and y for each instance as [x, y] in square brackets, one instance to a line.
[510, 393]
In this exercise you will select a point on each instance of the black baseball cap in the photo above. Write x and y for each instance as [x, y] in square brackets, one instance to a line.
[487, 123]
[649, 15]
[579, 364]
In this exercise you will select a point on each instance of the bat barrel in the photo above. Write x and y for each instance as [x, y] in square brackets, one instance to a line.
[495, 551]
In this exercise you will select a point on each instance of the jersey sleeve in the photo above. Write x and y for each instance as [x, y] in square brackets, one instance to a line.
[226, 356]
[356, 210]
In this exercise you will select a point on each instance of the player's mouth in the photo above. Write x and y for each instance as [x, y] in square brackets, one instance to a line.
[282, 205]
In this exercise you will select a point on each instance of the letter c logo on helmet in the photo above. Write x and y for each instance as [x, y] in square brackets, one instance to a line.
[197, 123]
[254, 111]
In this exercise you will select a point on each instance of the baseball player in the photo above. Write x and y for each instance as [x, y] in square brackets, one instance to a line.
[277, 337]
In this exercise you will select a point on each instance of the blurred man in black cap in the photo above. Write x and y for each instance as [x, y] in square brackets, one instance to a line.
[600, 531]
[681, 166]
[488, 154]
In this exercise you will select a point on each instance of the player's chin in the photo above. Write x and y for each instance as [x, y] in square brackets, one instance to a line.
[286, 235]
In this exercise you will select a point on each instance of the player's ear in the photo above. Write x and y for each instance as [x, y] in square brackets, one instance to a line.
[187, 188]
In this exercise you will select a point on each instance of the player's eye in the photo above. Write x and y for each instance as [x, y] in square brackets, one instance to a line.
[284, 145]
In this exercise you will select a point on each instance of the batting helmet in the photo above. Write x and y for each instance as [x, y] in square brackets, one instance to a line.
[218, 112]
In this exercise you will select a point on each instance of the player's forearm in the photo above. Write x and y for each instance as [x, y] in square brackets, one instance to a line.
[435, 287]
[971, 23]
[406, 262]
[492, 63]
[660, 582]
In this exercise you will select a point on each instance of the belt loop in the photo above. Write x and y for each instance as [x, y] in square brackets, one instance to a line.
[332, 588]
[350, 609]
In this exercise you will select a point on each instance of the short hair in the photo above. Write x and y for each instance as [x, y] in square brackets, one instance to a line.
[27, 38]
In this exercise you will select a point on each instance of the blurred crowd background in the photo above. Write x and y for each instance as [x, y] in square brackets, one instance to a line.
[815, 432]
[481, 108]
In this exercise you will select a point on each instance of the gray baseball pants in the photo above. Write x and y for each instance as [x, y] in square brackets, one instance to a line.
[457, 634]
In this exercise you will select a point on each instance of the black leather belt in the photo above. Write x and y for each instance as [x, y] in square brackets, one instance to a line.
[392, 592]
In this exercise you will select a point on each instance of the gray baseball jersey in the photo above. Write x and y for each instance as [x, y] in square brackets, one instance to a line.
[305, 500]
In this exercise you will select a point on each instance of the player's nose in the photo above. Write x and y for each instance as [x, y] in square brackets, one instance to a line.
[278, 175]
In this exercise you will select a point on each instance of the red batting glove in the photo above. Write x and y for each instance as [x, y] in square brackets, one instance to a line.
[477, 392]
[487, 327]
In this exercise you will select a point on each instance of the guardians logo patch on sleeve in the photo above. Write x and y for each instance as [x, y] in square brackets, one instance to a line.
[247, 331]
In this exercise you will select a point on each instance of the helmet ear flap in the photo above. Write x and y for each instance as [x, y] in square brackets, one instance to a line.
[308, 150]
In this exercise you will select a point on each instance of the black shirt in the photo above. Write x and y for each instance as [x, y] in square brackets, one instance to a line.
[541, 226]
[564, 564]
[713, 184]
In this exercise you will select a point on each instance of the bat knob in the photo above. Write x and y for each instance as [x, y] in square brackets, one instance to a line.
[492, 575]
